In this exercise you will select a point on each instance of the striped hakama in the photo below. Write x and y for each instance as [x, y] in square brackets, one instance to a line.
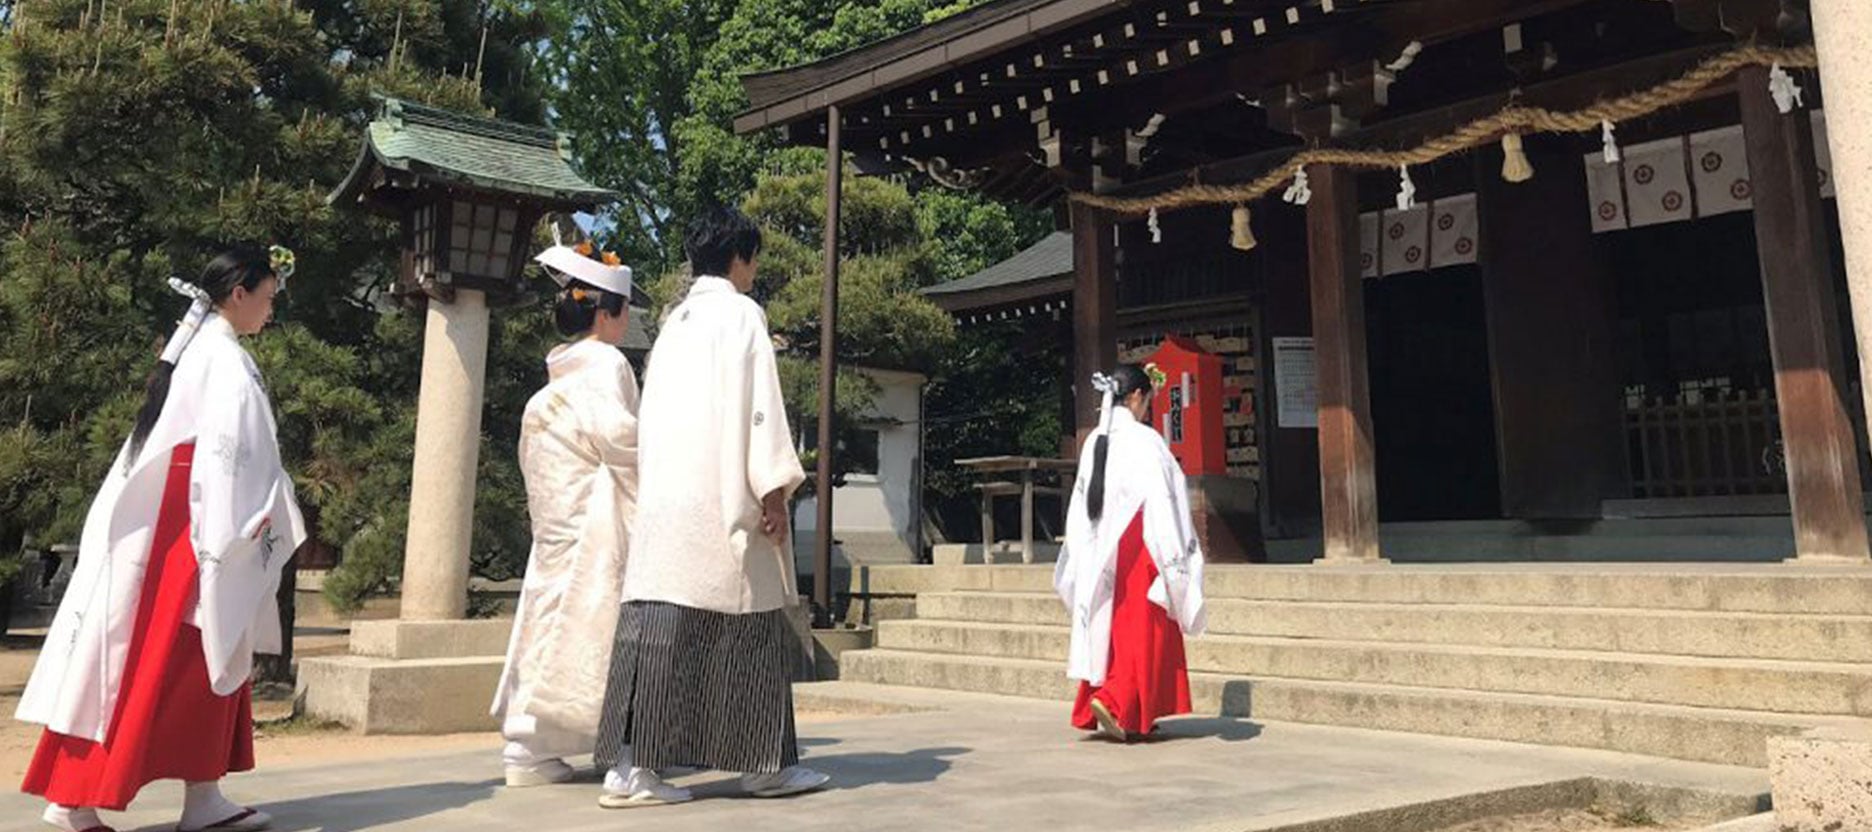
[691, 687]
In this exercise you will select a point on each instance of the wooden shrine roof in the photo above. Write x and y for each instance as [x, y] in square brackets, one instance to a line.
[1042, 270]
[984, 91]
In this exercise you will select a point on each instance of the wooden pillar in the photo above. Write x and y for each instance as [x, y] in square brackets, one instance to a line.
[1095, 304]
[1348, 471]
[1552, 339]
[1290, 466]
[1803, 329]
[828, 376]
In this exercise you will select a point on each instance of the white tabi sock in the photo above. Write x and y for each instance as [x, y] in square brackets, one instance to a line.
[203, 804]
[71, 819]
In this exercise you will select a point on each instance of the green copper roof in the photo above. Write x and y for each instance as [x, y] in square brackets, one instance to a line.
[448, 148]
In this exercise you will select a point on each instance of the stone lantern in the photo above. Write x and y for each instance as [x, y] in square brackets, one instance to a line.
[467, 192]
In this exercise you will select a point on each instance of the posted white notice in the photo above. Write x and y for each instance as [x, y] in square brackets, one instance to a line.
[1296, 383]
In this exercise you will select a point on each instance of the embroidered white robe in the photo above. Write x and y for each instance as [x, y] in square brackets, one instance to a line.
[713, 441]
[244, 523]
[1140, 475]
[578, 452]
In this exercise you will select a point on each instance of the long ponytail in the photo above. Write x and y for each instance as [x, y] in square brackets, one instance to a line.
[1125, 380]
[244, 266]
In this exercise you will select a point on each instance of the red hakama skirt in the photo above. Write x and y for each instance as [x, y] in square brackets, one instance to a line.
[1148, 678]
[169, 724]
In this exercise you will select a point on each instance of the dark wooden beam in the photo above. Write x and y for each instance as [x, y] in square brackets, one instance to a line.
[1095, 306]
[1348, 466]
[1552, 327]
[1803, 329]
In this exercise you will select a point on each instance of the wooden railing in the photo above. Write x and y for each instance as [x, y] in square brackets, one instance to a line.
[1726, 442]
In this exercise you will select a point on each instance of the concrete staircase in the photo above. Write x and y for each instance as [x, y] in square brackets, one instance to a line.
[1695, 661]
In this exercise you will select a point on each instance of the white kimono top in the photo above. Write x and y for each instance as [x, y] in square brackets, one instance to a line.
[714, 440]
[1140, 475]
[578, 452]
[244, 524]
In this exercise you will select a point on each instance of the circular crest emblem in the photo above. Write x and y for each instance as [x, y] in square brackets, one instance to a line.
[1397, 231]
[1712, 162]
[1464, 246]
[1445, 222]
[1643, 174]
[1673, 201]
[1741, 189]
[1413, 254]
[1608, 210]
[1365, 260]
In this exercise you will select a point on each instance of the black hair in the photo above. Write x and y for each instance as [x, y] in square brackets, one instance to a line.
[244, 266]
[718, 237]
[1131, 378]
[576, 310]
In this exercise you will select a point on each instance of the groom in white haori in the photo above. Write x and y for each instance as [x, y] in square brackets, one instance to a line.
[702, 669]
[578, 453]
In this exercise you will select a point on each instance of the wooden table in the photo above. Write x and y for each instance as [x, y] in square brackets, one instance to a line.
[1026, 466]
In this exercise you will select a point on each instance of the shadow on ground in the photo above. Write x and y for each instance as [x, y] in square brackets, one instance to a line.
[359, 810]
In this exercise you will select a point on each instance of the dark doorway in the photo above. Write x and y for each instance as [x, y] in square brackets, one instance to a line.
[1433, 414]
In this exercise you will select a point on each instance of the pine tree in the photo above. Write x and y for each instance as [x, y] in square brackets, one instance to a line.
[140, 137]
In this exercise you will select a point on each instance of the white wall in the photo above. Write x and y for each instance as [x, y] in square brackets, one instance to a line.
[874, 515]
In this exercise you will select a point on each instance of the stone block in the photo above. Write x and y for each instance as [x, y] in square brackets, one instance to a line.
[830, 644]
[431, 639]
[1822, 779]
[412, 696]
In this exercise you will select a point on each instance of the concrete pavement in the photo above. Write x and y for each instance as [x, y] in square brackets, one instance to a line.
[956, 761]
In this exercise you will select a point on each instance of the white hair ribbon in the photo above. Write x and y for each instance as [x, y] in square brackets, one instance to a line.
[185, 329]
[1108, 387]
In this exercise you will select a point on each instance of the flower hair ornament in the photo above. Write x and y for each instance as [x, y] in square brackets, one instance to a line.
[1157, 377]
[281, 259]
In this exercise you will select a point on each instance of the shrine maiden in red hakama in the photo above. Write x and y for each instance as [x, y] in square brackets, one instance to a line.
[144, 673]
[1131, 570]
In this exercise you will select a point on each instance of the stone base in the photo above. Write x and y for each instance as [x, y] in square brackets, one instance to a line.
[431, 639]
[410, 677]
[1227, 515]
[390, 696]
[1823, 779]
[829, 644]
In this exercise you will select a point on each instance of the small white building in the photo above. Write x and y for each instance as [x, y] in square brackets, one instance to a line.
[877, 513]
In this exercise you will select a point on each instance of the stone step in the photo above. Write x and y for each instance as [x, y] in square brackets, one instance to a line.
[1794, 636]
[1703, 734]
[1764, 588]
[1747, 684]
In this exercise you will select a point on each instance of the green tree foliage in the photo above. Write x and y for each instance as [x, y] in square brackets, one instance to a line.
[138, 138]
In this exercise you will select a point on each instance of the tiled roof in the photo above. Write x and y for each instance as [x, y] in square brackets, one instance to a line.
[1051, 257]
[480, 153]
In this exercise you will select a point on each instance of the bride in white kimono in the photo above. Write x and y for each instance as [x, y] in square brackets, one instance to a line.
[578, 452]
[1131, 571]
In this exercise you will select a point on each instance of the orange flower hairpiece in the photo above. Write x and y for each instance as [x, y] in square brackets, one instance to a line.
[611, 259]
[584, 248]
